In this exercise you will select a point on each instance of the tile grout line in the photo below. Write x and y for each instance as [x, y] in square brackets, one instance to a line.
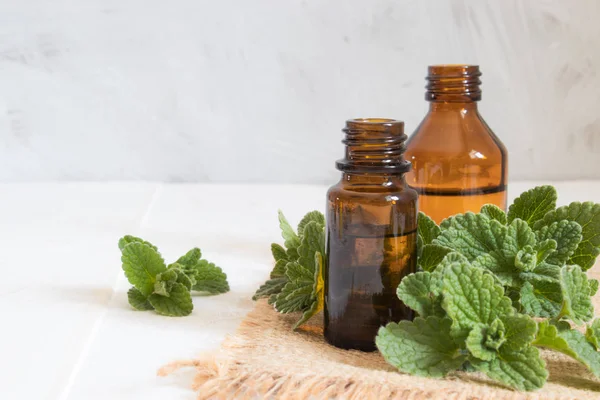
[64, 395]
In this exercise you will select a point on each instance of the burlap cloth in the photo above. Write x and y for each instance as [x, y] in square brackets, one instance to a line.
[266, 359]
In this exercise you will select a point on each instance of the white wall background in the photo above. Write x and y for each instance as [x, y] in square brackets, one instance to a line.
[240, 90]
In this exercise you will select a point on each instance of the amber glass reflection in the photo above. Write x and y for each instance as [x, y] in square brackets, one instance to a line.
[371, 235]
[459, 164]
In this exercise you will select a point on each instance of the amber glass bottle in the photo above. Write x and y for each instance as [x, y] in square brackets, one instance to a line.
[458, 163]
[371, 234]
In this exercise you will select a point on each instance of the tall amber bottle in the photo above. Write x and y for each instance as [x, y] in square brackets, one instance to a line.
[371, 234]
[458, 163]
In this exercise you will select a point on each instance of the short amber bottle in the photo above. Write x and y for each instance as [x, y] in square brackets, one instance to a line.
[371, 235]
[458, 162]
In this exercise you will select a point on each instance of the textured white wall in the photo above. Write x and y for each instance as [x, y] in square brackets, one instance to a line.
[238, 90]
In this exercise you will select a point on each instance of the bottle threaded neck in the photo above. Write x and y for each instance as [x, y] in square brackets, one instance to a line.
[453, 83]
[374, 145]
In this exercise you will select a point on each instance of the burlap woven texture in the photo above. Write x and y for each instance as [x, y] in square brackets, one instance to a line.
[265, 359]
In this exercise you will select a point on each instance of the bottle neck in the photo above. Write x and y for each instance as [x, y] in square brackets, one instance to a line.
[384, 180]
[453, 83]
[374, 146]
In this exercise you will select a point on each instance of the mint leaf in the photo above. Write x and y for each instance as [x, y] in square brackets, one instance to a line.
[587, 215]
[545, 249]
[313, 241]
[292, 240]
[483, 342]
[125, 240]
[567, 235]
[494, 212]
[138, 301]
[593, 283]
[190, 258]
[185, 280]
[471, 298]
[518, 236]
[427, 228]
[164, 282]
[210, 278]
[519, 333]
[592, 333]
[533, 204]
[296, 295]
[541, 298]
[421, 347]
[570, 342]
[421, 292]
[577, 304]
[279, 253]
[522, 370]
[141, 264]
[313, 216]
[431, 256]
[472, 235]
[526, 259]
[317, 295]
[178, 304]
[270, 287]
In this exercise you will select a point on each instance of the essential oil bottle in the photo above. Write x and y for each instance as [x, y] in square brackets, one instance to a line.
[458, 163]
[371, 234]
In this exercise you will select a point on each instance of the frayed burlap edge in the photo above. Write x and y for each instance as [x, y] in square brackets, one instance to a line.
[264, 359]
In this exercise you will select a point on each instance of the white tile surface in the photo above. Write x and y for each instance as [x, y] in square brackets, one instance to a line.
[67, 332]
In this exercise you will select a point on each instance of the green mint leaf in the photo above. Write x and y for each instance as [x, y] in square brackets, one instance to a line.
[545, 249]
[138, 301]
[526, 259]
[313, 241]
[279, 269]
[533, 204]
[522, 370]
[125, 240]
[494, 212]
[431, 256]
[592, 333]
[541, 298]
[292, 254]
[570, 342]
[191, 258]
[427, 228]
[421, 292]
[292, 240]
[164, 282]
[518, 236]
[567, 235]
[178, 304]
[296, 295]
[184, 278]
[317, 295]
[519, 332]
[483, 342]
[313, 216]
[420, 347]
[587, 215]
[270, 287]
[279, 253]
[472, 235]
[593, 283]
[141, 264]
[471, 298]
[210, 278]
[577, 304]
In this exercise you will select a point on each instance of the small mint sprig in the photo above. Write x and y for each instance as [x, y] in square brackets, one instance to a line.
[166, 289]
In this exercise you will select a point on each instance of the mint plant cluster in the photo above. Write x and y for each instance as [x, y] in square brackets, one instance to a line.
[493, 287]
[296, 281]
[164, 288]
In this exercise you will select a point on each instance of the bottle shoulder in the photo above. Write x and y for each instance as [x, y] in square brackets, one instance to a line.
[381, 194]
[449, 134]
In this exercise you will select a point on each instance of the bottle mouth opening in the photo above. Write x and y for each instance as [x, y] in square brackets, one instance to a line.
[453, 71]
[387, 125]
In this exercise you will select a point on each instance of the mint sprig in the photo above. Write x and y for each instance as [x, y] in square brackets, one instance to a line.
[488, 275]
[296, 281]
[166, 289]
